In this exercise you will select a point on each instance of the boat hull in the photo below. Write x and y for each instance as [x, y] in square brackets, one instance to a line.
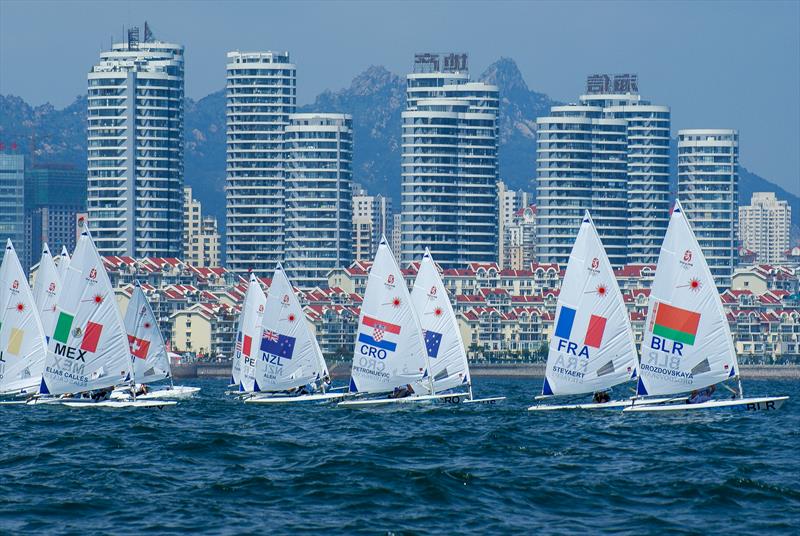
[375, 402]
[766, 403]
[321, 397]
[178, 392]
[613, 405]
[119, 404]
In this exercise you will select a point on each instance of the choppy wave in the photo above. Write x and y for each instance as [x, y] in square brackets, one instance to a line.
[213, 465]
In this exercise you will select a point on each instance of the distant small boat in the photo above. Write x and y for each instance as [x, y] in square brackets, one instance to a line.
[687, 343]
[290, 367]
[449, 366]
[248, 336]
[149, 357]
[390, 361]
[22, 338]
[592, 348]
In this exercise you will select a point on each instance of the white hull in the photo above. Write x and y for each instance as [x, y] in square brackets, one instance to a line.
[178, 392]
[766, 403]
[321, 397]
[118, 404]
[614, 404]
[371, 402]
[490, 400]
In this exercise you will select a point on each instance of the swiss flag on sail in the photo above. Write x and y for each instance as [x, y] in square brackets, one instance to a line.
[139, 347]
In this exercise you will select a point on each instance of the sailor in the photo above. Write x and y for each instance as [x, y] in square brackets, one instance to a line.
[703, 395]
[402, 392]
[307, 389]
[142, 389]
[326, 383]
[601, 397]
[102, 394]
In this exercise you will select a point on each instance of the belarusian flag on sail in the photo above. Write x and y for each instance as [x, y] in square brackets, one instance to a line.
[91, 335]
[675, 324]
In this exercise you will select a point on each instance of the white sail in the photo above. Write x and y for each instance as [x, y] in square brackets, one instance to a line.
[22, 341]
[46, 289]
[389, 349]
[88, 346]
[687, 343]
[147, 348]
[248, 336]
[289, 353]
[443, 343]
[63, 263]
[592, 347]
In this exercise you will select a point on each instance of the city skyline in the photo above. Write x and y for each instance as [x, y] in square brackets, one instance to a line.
[700, 94]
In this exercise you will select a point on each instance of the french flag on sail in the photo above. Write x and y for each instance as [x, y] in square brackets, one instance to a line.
[594, 332]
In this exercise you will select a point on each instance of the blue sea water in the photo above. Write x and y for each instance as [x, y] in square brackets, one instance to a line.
[215, 466]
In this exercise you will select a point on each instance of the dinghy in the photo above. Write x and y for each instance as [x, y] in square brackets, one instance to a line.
[687, 343]
[449, 367]
[390, 349]
[22, 339]
[149, 357]
[248, 335]
[290, 367]
[592, 348]
[88, 347]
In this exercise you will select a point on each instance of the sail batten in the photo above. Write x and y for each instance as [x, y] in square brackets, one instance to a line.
[592, 347]
[687, 343]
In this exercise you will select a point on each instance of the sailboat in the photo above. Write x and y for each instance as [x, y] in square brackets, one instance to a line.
[687, 343]
[22, 340]
[449, 366]
[290, 357]
[46, 290]
[87, 349]
[390, 350]
[150, 360]
[248, 335]
[63, 262]
[592, 348]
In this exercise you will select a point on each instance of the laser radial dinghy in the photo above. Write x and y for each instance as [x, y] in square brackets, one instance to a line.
[390, 350]
[149, 357]
[290, 367]
[88, 347]
[248, 335]
[687, 343]
[443, 343]
[22, 339]
[592, 348]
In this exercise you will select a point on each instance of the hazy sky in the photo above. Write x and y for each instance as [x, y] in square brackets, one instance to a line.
[717, 64]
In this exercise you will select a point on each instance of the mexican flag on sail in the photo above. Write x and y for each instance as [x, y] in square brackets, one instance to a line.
[687, 342]
[88, 346]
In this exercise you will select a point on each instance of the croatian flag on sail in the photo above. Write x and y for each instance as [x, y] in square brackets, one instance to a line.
[276, 344]
[432, 342]
[594, 331]
[379, 331]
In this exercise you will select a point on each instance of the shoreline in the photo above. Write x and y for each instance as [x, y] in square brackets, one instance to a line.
[486, 370]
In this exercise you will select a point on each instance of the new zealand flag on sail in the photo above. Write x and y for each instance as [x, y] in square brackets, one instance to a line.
[277, 344]
[432, 342]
